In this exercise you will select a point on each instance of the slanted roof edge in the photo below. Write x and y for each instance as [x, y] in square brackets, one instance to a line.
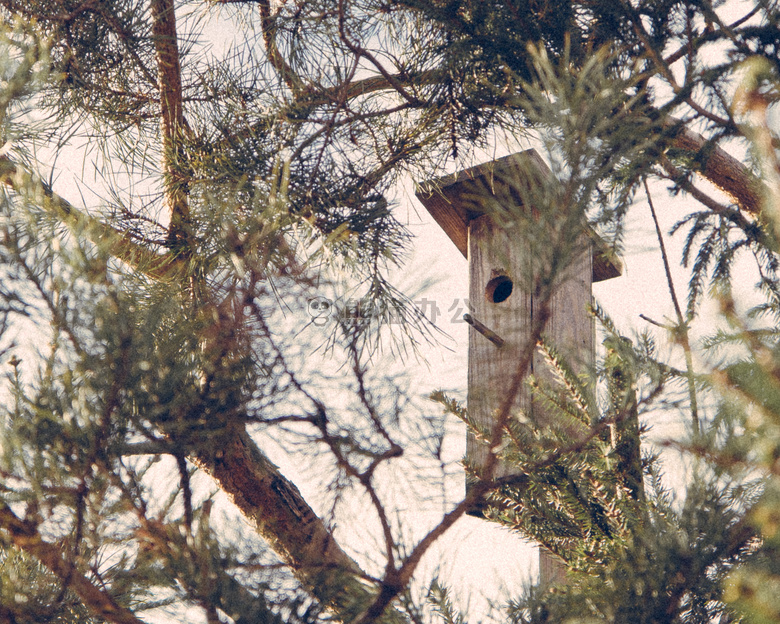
[437, 197]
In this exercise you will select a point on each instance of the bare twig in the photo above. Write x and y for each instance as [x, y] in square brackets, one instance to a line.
[393, 584]
[681, 330]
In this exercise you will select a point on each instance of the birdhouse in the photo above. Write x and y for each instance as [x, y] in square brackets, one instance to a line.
[477, 208]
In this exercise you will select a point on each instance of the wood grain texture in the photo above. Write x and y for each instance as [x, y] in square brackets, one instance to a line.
[477, 208]
[570, 329]
[493, 252]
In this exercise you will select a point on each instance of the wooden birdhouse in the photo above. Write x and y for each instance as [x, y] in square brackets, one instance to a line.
[475, 208]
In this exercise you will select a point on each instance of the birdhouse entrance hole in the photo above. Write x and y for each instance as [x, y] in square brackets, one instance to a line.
[498, 289]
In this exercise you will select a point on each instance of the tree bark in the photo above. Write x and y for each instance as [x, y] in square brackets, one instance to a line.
[275, 508]
[175, 168]
[270, 502]
[720, 168]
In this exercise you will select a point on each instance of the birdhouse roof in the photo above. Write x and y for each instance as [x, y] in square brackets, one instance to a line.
[454, 200]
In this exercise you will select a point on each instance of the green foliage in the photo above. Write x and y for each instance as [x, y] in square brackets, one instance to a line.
[579, 486]
[439, 598]
[161, 350]
[670, 569]
[125, 359]
[49, 602]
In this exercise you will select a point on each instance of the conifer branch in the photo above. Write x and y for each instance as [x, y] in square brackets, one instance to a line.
[24, 535]
[120, 244]
[175, 167]
[275, 508]
[719, 167]
[265, 497]
[275, 56]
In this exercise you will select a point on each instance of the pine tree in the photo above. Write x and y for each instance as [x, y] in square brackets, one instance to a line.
[232, 176]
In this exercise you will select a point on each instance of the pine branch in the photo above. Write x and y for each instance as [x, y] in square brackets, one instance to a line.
[719, 167]
[25, 536]
[153, 265]
[175, 167]
[279, 63]
[275, 508]
[272, 504]
[275, 56]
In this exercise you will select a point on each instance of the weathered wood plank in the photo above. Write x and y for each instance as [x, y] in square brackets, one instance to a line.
[493, 255]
